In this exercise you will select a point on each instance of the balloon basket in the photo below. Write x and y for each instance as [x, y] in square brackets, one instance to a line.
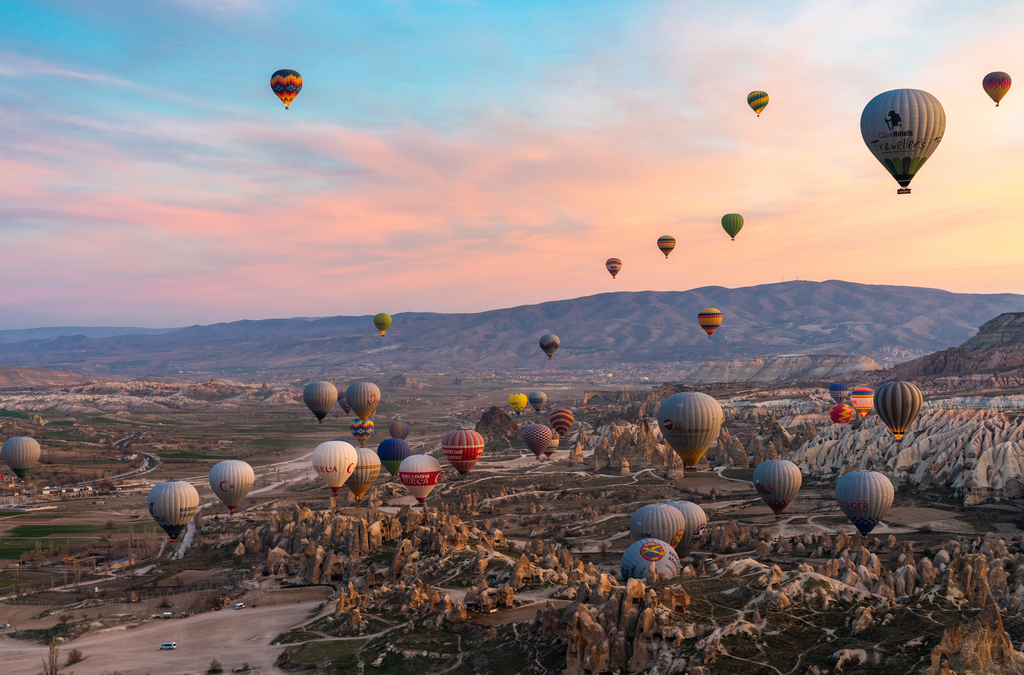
[903, 191]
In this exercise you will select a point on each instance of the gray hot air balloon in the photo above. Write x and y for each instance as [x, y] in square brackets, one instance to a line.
[549, 343]
[659, 521]
[898, 404]
[537, 399]
[902, 128]
[690, 422]
[865, 498]
[231, 481]
[21, 454]
[642, 555]
[363, 398]
[696, 526]
[320, 397]
[777, 481]
[172, 504]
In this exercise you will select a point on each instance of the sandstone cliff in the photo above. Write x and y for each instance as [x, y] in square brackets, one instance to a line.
[779, 368]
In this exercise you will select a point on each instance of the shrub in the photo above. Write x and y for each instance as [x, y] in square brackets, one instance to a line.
[215, 667]
[75, 656]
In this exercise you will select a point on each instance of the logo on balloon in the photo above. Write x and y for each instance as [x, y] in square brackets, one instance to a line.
[678, 538]
[762, 488]
[652, 551]
[893, 120]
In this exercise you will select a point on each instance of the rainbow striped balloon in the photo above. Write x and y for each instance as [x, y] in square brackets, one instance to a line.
[863, 400]
[996, 85]
[758, 101]
[613, 265]
[362, 430]
[561, 421]
[709, 319]
[666, 244]
[286, 84]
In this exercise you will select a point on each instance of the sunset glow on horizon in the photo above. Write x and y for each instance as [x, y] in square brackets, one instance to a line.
[459, 157]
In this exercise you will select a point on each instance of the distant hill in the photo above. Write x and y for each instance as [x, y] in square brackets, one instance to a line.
[22, 334]
[32, 378]
[998, 347]
[886, 323]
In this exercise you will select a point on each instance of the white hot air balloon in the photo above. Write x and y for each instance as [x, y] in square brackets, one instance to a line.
[690, 422]
[21, 454]
[902, 128]
[367, 470]
[658, 521]
[696, 526]
[172, 504]
[363, 398]
[777, 481]
[865, 498]
[419, 474]
[649, 552]
[231, 481]
[334, 461]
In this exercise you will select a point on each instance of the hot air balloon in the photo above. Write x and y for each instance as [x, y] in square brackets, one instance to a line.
[549, 343]
[732, 223]
[646, 553]
[231, 481]
[613, 266]
[863, 400]
[366, 472]
[696, 526]
[552, 448]
[902, 128]
[382, 322]
[841, 413]
[865, 498]
[518, 403]
[391, 452]
[399, 430]
[462, 447]
[537, 399]
[419, 474]
[709, 319]
[537, 437]
[334, 461]
[758, 101]
[320, 397]
[658, 521]
[361, 430]
[172, 504]
[286, 84]
[665, 244]
[777, 481]
[838, 392]
[561, 421]
[898, 404]
[363, 397]
[21, 454]
[996, 85]
[343, 402]
[690, 422]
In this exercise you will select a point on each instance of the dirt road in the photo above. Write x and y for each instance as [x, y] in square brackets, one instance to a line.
[517, 615]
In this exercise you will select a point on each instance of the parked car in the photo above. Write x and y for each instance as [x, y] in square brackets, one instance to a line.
[169, 645]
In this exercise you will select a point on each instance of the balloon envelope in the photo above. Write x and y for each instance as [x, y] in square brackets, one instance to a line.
[863, 400]
[758, 101]
[21, 454]
[666, 243]
[709, 319]
[399, 430]
[552, 447]
[549, 343]
[613, 265]
[518, 402]
[777, 481]
[865, 498]
[366, 472]
[343, 402]
[898, 404]
[996, 85]
[642, 555]
[537, 437]
[363, 397]
[419, 474]
[334, 461]
[172, 504]
[286, 84]
[690, 422]
[841, 413]
[696, 526]
[838, 392]
[902, 128]
[658, 521]
[732, 223]
[391, 452]
[231, 481]
[320, 397]
[382, 322]
[361, 430]
[561, 421]
[537, 399]
[462, 447]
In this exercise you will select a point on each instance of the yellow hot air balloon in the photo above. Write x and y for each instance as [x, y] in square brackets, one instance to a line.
[518, 403]
[382, 322]
[709, 319]
[666, 243]
[758, 101]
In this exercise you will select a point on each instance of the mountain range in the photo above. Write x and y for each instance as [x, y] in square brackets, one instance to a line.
[889, 324]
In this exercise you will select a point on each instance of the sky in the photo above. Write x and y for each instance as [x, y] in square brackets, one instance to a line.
[465, 156]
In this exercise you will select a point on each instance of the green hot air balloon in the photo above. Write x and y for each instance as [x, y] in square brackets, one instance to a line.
[382, 322]
[732, 223]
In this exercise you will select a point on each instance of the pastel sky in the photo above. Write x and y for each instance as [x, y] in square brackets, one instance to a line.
[462, 156]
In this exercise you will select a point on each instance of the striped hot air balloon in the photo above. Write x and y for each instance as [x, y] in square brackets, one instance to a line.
[320, 397]
[172, 504]
[549, 343]
[21, 454]
[996, 84]
[696, 526]
[690, 422]
[399, 430]
[898, 404]
[777, 481]
[865, 498]
[863, 400]
[231, 481]
[561, 421]
[286, 84]
[659, 521]
[552, 448]
[732, 223]
[462, 447]
[419, 474]
[838, 392]
[842, 413]
[758, 101]
[334, 461]
[363, 397]
[613, 265]
[665, 244]
[361, 430]
[642, 555]
[709, 319]
[391, 452]
[365, 474]
[537, 437]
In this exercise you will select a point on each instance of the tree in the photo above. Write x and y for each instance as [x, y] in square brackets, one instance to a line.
[603, 547]
[51, 662]
[64, 618]
[75, 656]
[215, 667]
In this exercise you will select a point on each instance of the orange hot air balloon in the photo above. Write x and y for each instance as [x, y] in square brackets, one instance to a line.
[709, 319]
[286, 84]
[613, 265]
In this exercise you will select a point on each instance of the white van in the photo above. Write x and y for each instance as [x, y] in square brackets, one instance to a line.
[239, 605]
[169, 645]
